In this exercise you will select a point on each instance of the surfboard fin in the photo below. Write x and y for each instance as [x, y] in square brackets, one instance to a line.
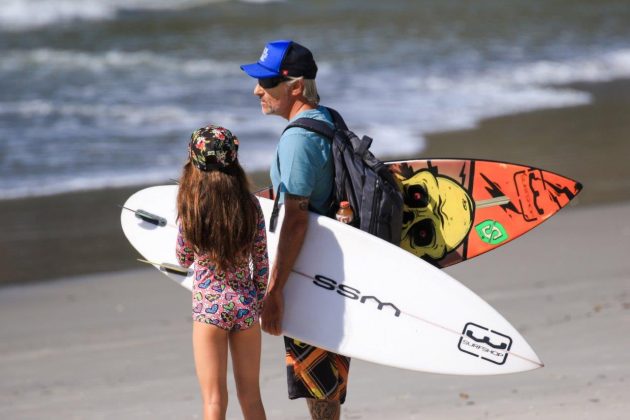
[147, 217]
[169, 268]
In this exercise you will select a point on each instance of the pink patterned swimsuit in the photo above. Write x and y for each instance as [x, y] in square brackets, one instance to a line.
[231, 299]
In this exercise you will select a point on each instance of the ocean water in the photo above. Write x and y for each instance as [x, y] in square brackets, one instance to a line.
[102, 93]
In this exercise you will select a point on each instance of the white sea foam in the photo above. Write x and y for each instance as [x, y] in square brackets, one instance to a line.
[129, 115]
[600, 67]
[53, 184]
[62, 184]
[394, 106]
[410, 105]
[28, 14]
[100, 62]
[16, 15]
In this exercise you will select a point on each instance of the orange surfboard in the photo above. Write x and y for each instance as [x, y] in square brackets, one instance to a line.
[457, 209]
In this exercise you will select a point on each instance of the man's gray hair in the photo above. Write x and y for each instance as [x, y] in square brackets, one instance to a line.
[310, 89]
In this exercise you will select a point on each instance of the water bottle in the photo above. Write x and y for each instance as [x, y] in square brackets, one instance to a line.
[345, 213]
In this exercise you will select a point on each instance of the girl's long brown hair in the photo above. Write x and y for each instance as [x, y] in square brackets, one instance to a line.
[217, 213]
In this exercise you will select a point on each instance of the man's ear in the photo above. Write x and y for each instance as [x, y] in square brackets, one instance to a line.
[296, 88]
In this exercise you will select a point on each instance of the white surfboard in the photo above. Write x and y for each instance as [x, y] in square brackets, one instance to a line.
[357, 295]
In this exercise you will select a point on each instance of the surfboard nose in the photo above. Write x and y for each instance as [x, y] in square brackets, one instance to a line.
[525, 357]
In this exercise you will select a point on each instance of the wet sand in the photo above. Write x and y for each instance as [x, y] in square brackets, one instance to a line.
[46, 238]
[117, 343]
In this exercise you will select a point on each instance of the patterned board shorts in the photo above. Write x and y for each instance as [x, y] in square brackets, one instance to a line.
[315, 373]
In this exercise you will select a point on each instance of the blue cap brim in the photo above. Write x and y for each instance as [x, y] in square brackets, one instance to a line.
[257, 71]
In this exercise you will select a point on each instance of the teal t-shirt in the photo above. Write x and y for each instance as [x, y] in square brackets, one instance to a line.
[303, 164]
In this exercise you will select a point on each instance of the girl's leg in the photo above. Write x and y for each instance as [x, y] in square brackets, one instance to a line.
[210, 347]
[245, 349]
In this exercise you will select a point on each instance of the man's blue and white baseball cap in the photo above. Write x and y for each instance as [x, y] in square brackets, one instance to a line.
[283, 58]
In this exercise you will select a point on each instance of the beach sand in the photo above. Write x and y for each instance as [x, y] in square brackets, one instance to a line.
[74, 344]
[118, 345]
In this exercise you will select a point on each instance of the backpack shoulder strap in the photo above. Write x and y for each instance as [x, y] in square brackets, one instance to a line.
[315, 126]
[320, 127]
[337, 119]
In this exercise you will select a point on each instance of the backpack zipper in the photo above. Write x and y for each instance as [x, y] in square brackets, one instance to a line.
[375, 203]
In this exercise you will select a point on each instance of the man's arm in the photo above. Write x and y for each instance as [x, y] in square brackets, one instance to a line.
[292, 235]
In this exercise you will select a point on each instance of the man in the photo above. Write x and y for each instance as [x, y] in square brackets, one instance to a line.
[302, 173]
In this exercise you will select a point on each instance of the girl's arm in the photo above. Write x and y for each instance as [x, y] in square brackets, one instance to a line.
[183, 250]
[260, 257]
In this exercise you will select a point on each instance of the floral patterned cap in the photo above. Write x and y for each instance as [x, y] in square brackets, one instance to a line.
[212, 147]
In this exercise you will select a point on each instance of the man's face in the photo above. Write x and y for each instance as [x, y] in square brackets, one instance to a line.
[275, 100]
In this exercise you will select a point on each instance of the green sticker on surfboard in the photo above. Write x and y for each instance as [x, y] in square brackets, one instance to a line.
[492, 232]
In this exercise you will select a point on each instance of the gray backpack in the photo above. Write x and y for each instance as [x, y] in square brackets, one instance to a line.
[361, 179]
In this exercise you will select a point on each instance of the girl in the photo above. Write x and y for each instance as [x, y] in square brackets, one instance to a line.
[222, 230]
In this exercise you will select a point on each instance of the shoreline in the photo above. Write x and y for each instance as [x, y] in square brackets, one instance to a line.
[79, 233]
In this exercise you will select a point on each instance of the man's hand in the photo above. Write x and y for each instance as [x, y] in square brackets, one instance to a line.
[271, 319]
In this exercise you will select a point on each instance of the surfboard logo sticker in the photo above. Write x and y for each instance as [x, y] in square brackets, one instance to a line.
[491, 232]
[352, 293]
[485, 343]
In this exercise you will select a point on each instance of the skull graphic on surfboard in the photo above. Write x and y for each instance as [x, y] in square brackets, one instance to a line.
[457, 209]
